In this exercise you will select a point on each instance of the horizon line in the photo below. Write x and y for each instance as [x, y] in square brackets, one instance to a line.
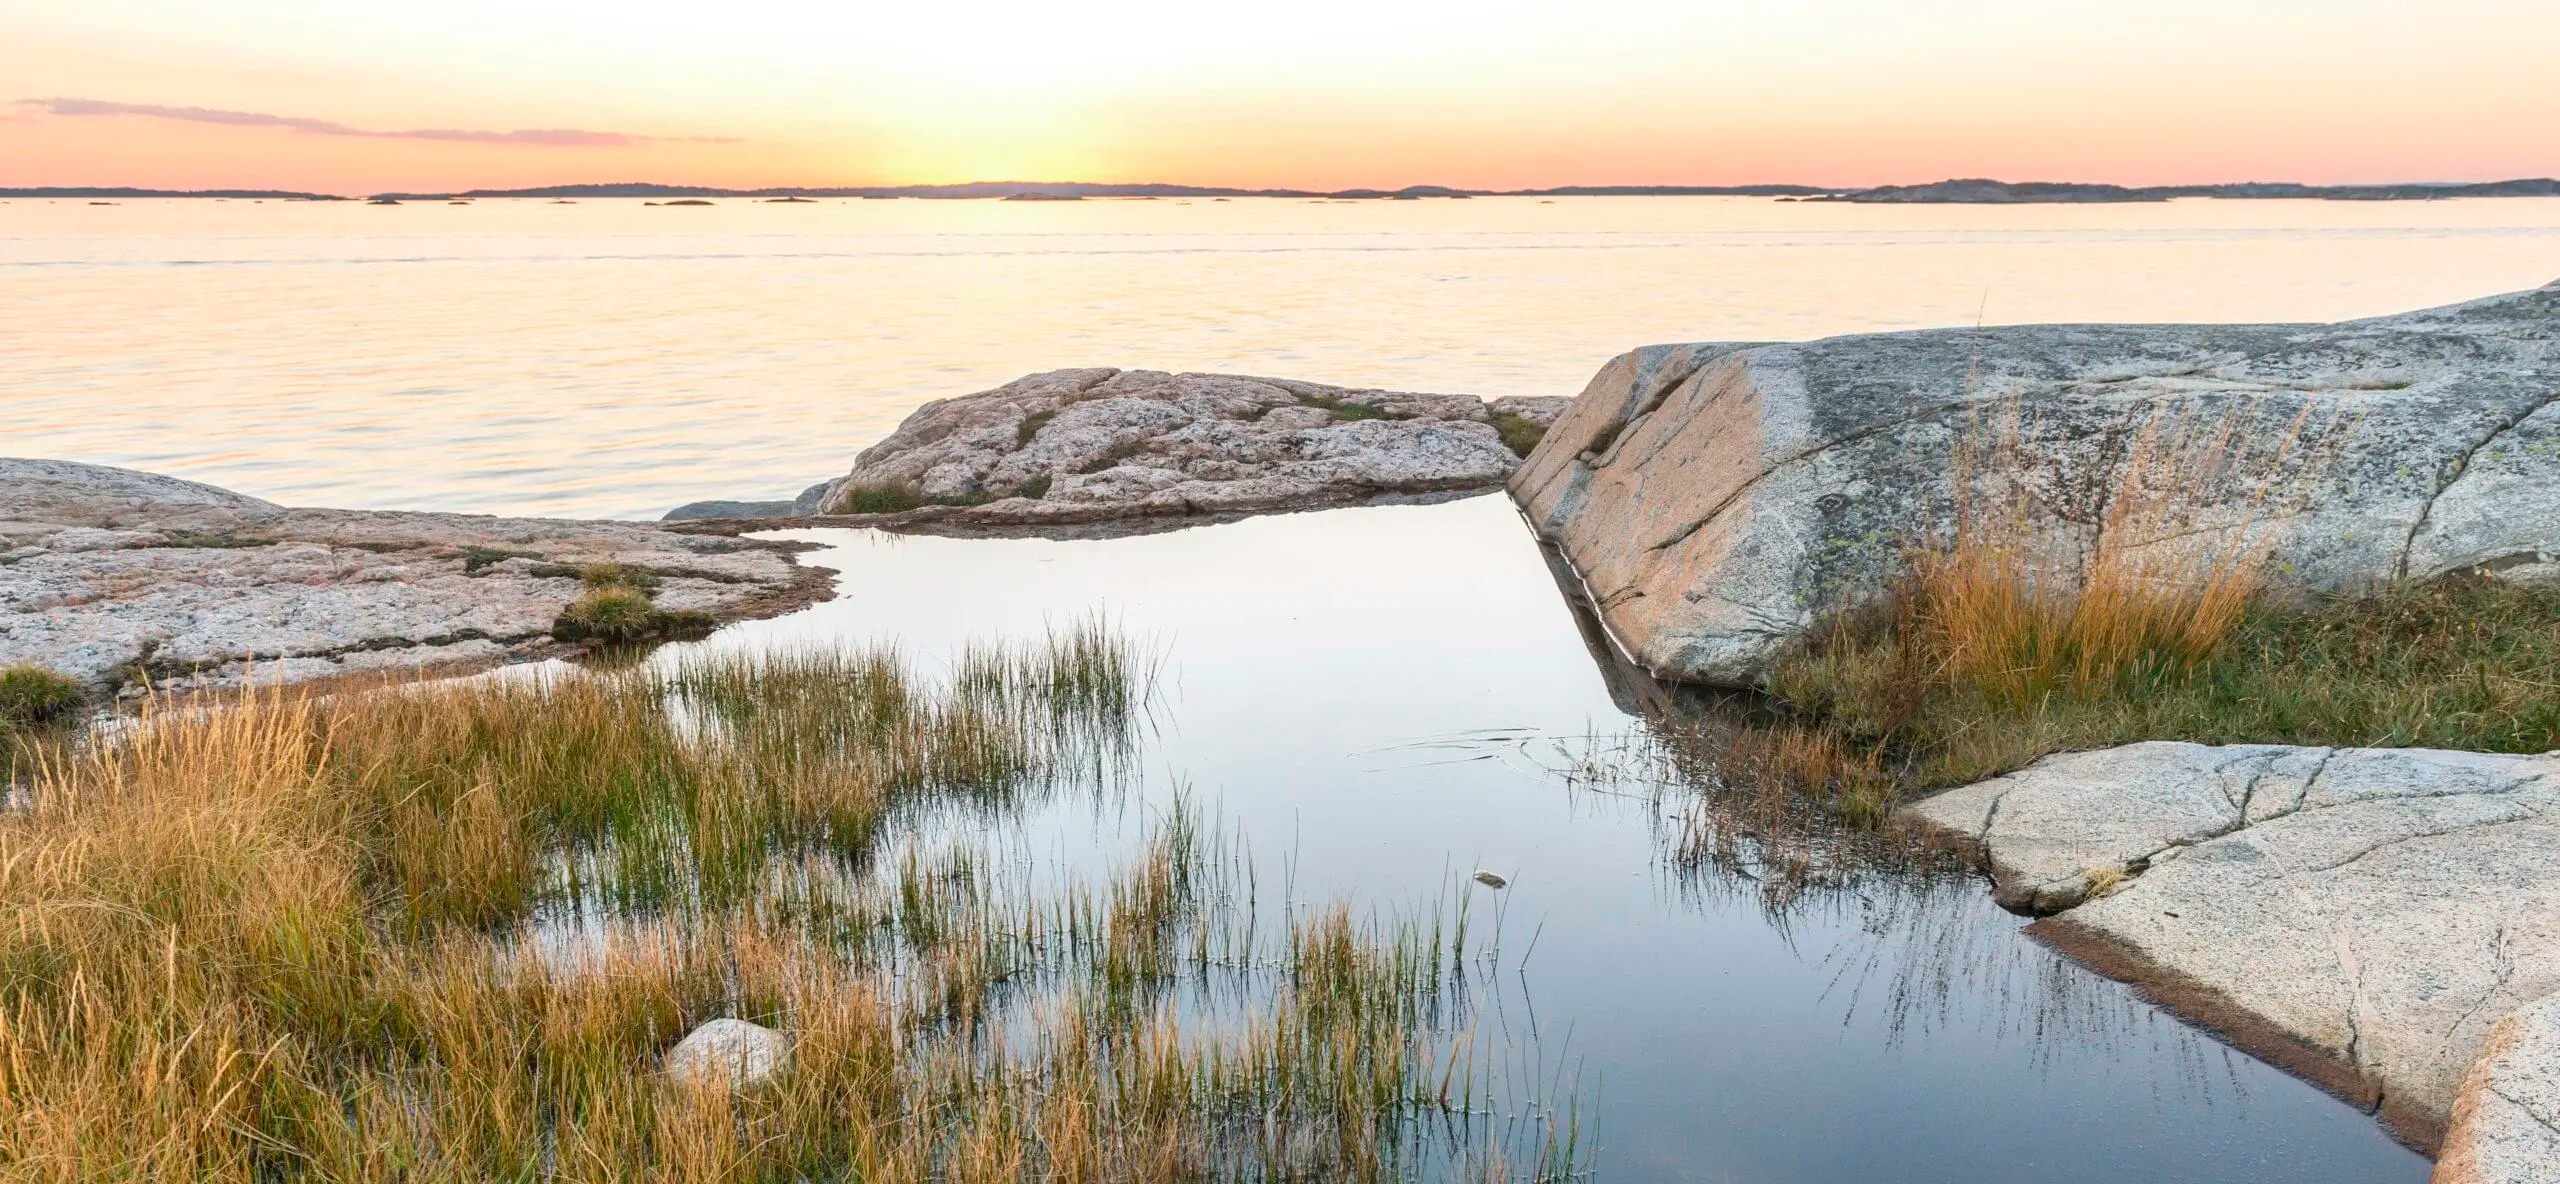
[1958, 190]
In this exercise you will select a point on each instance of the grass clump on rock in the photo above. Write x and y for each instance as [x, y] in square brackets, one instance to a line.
[2463, 662]
[897, 498]
[2001, 646]
[32, 696]
[450, 931]
[617, 609]
[1345, 411]
[1519, 433]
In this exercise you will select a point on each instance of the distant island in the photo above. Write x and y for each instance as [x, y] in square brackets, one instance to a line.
[1986, 192]
[123, 191]
[1969, 191]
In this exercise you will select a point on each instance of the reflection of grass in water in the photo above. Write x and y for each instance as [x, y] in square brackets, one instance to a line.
[1731, 822]
[445, 932]
[1916, 942]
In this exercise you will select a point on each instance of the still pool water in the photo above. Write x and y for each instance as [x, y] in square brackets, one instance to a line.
[1376, 697]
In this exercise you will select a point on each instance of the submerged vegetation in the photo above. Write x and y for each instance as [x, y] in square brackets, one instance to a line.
[447, 931]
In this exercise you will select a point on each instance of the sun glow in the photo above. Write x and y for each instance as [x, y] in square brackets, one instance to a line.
[1327, 92]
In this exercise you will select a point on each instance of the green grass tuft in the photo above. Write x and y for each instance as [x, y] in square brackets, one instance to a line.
[32, 696]
[898, 498]
[1111, 457]
[1519, 433]
[1030, 429]
[617, 614]
[1344, 410]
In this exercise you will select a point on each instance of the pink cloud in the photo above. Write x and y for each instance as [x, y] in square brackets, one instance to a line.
[539, 137]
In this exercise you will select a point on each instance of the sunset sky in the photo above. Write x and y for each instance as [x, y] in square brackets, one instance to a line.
[364, 97]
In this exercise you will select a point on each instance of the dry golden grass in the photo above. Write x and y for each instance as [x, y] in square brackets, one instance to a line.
[446, 932]
[2023, 635]
[2011, 607]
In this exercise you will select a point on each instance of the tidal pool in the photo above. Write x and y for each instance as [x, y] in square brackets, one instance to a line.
[1382, 699]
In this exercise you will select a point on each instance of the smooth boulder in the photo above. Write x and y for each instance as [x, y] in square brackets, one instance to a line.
[1718, 499]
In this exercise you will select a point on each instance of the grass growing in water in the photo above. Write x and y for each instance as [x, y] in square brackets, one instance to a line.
[445, 932]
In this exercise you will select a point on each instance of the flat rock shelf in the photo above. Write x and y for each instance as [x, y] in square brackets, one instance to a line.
[113, 576]
[2373, 919]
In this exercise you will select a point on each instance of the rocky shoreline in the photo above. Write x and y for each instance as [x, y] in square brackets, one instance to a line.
[117, 578]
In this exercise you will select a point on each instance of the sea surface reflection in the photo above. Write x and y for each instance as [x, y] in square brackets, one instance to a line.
[1386, 699]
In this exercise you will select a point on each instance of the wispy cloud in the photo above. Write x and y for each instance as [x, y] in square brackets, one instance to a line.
[539, 137]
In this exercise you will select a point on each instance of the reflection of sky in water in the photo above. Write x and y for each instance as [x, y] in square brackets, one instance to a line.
[1874, 1036]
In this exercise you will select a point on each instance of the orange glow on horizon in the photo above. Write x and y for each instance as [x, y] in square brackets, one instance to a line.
[1333, 95]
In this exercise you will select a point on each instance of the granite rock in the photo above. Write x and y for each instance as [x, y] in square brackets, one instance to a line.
[2506, 1123]
[2366, 916]
[106, 574]
[1072, 447]
[1718, 499]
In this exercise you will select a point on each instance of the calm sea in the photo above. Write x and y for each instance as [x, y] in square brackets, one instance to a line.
[614, 359]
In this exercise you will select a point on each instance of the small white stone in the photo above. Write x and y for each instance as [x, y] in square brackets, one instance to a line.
[733, 1051]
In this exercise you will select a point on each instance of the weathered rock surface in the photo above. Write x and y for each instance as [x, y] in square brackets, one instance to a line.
[2506, 1123]
[107, 573]
[1717, 498]
[728, 1052]
[1072, 447]
[2363, 916]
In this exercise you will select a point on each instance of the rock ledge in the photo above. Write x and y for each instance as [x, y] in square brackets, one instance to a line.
[2365, 917]
[111, 575]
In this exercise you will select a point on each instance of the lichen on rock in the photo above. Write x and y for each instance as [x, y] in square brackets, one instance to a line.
[117, 578]
[1072, 447]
